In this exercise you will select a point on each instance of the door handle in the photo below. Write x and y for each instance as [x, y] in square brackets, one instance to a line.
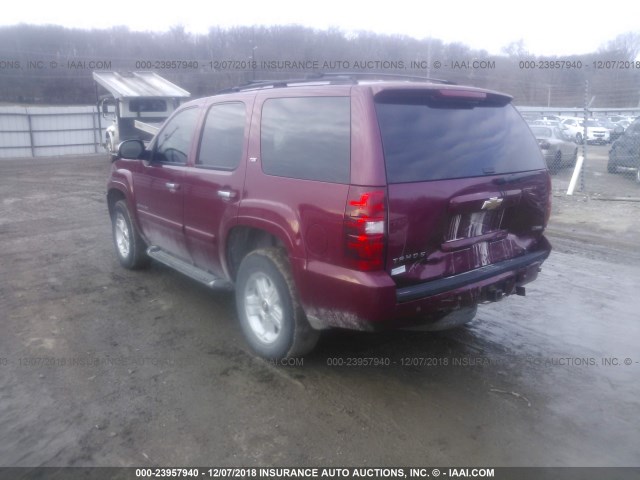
[172, 186]
[227, 194]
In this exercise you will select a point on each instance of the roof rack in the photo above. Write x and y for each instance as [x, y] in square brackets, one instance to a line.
[386, 76]
[331, 78]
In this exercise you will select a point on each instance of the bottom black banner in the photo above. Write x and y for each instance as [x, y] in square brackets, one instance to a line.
[285, 473]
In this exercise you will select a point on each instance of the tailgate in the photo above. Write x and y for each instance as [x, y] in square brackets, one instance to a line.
[441, 229]
[467, 184]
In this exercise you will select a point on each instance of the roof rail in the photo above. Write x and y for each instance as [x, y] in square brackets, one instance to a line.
[386, 76]
[262, 84]
[331, 78]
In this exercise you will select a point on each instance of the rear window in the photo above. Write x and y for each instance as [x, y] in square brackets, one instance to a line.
[425, 140]
[307, 138]
[541, 132]
[141, 105]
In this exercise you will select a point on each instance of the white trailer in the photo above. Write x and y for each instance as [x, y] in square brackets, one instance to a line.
[137, 103]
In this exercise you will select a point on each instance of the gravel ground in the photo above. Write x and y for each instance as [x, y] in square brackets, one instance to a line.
[100, 366]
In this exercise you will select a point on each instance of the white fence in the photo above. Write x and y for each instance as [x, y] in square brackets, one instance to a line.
[47, 131]
[579, 111]
[68, 130]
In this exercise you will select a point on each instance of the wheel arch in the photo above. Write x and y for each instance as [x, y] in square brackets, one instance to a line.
[245, 238]
[114, 195]
[119, 188]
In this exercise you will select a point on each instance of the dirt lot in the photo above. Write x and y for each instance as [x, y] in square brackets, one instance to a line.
[599, 214]
[100, 366]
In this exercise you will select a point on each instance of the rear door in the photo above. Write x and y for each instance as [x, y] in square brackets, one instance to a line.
[467, 184]
[627, 147]
[214, 185]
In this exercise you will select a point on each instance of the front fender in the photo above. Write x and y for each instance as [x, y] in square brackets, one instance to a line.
[120, 184]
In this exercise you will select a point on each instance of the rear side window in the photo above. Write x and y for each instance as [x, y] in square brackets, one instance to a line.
[429, 141]
[307, 138]
[222, 141]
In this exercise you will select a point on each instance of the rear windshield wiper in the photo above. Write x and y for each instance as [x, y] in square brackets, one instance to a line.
[514, 177]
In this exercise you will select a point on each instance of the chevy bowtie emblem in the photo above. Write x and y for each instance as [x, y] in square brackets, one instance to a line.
[492, 203]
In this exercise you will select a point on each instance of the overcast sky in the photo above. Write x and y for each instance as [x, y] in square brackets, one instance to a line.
[559, 27]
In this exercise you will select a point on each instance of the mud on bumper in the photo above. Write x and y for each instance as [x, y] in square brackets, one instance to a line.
[375, 303]
[435, 287]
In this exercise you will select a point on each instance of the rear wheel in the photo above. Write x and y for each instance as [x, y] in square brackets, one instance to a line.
[557, 161]
[611, 166]
[454, 319]
[270, 314]
[110, 145]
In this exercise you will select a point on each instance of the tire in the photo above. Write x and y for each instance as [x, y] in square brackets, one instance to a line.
[110, 146]
[129, 245]
[579, 138]
[557, 161]
[269, 312]
[611, 165]
[455, 319]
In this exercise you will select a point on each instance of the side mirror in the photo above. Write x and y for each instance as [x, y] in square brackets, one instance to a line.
[131, 149]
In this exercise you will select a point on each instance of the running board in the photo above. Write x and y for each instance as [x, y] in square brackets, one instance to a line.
[187, 269]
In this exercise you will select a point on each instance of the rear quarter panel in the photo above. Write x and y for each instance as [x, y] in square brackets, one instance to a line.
[305, 215]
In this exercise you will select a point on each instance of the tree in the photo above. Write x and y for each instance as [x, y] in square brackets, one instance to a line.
[625, 46]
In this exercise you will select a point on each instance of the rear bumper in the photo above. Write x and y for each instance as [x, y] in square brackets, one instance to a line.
[624, 160]
[336, 297]
[435, 287]
[598, 137]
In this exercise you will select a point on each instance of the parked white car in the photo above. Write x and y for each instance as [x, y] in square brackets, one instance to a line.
[595, 133]
[621, 118]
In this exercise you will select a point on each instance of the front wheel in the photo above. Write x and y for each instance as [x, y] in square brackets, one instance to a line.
[270, 314]
[557, 162]
[611, 166]
[130, 246]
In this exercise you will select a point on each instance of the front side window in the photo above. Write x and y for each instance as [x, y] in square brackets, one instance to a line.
[174, 141]
[307, 138]
[222, 140]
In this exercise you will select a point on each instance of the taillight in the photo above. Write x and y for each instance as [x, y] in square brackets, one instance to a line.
[364, 226]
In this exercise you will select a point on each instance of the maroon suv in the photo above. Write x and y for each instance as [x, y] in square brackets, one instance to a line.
[339, 203]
